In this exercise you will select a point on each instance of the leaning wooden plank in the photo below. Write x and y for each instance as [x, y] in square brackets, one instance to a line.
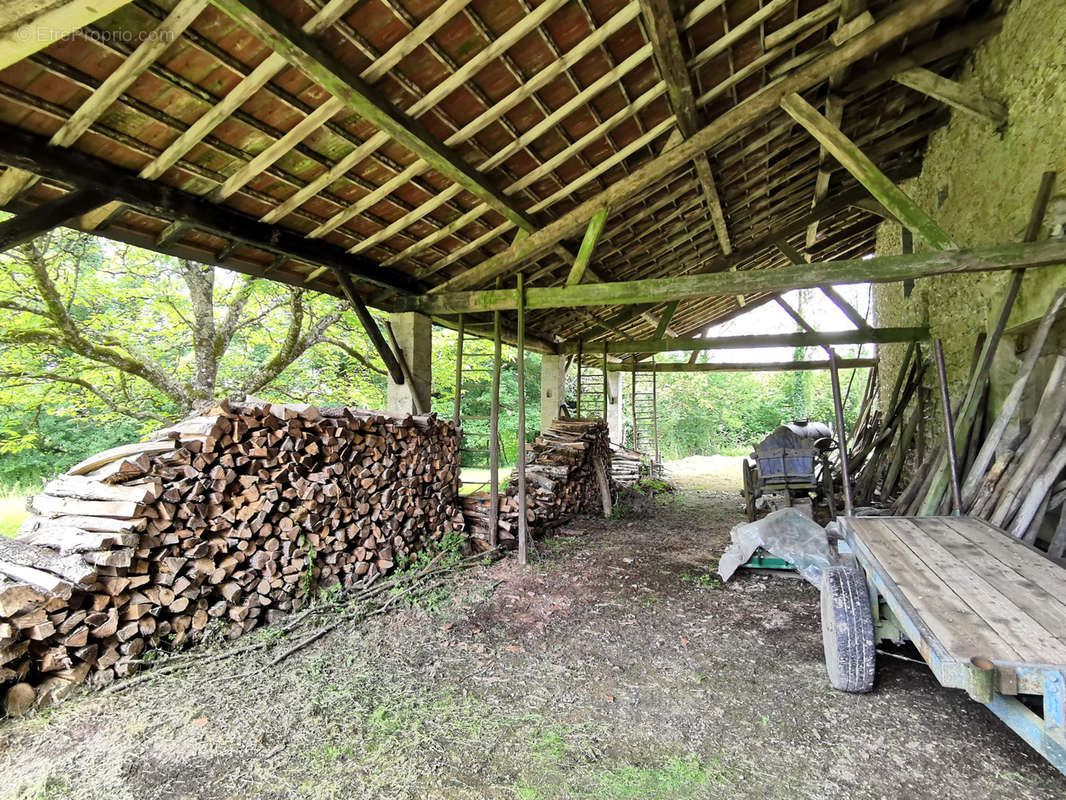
[41, 581]
[16, 596]
[70, 568]
[48, 506]
[1010, 404]
[115, 453]
[82, 488]
[67, 539]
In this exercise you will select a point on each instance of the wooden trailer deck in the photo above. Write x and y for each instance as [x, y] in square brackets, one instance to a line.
[987, 612]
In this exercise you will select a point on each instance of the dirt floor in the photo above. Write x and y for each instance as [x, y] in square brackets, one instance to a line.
[617, 667]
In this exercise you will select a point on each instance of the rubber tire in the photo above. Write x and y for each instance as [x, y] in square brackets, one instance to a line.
[847, 630]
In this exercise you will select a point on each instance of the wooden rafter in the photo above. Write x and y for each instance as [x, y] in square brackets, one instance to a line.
[866, 172]
[739, 117]
[964, 98]
[662, 30]
[755, 366]
[70, 167]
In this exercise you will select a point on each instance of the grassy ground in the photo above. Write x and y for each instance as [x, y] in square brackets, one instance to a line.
[12, 512]
[616, 667]
[481, 476]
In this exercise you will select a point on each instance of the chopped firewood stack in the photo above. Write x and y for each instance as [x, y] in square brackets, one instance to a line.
[566, 475]
[232, 516]
[630, 466]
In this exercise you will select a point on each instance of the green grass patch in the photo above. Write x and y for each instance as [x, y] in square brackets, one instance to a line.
[12, 513]
[475, 479]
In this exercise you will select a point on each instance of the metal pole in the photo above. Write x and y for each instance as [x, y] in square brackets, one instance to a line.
[655, 412]
[459, 373]
[949, 424]
[494, 433]
[842, 436]
[523, 543]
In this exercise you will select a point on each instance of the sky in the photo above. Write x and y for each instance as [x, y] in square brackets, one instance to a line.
[770, 318]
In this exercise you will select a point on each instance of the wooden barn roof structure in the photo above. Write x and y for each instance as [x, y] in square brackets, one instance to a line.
[413, 153]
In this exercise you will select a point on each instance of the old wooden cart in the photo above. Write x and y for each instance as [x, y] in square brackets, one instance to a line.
[987, 613]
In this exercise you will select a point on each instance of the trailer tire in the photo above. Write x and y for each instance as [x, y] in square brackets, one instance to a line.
[847, 630]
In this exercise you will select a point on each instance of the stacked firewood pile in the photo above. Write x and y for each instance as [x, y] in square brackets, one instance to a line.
[630, 466]
[566, 475]
[232, 517]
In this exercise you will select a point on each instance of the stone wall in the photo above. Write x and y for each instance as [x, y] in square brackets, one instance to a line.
[979, 184]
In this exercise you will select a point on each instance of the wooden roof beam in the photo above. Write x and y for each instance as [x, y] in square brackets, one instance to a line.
[662, 30]
[805, 339]
[906, 18]
[866, 172]
[43, 218]
[846, 308]
[962, 98]
[882, 269]
[756, 366]
[185, 12]
[46, 21]
[73, 168]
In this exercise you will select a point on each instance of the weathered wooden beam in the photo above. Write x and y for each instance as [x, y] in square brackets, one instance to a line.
[74, 168]
[804, 339]
[906, 18]
[963, 98]
[866, 172]
[304, 52]
[882, 269]
[370, 325]
[46, 216]
[753, 366]
[669, 53]
[664, 320]
[588, 244]
[846, 308]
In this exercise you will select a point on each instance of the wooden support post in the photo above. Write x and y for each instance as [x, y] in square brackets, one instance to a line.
[494, 432]
[580, 347]
[45, 217]
[588, 244]
[371, 327]
[967, 100]
[606, 388]
[842, 434]
[520, 464]
[459, 344]
[655, 413]
[866, 172]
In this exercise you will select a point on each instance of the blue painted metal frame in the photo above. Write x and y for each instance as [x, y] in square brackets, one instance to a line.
[1046, 735]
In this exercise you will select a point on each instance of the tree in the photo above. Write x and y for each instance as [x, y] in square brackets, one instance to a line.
[151, 337]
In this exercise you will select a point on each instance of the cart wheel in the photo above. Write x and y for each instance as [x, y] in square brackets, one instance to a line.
[847, 630]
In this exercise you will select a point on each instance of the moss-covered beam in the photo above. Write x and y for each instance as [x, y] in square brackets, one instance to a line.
[588, 244]
[617, 196]
[664, 320]
[963, 98]
[754, 366]
[866, 172]
[883, 269]
[805, 339]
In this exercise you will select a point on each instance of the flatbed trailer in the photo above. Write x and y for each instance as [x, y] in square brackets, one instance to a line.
[986, 611]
